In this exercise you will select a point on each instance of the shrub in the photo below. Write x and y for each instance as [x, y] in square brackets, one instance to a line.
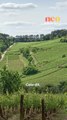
[10, 81]
[0, 55]
[30, 70]
[63, 40]
[26, 52]
[63, 55]
[62, 86]
[35, 49]
[30, 59]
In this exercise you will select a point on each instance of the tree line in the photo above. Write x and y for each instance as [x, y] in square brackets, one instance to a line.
[41, 37]
[5, 41]
[8, 40]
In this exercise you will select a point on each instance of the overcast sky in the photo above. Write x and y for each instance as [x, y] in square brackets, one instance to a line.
[18, 17]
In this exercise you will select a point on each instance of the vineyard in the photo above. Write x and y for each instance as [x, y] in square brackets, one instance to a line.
[27, 106]
[48, 61]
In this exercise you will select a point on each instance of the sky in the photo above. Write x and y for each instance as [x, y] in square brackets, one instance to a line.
[21, 17]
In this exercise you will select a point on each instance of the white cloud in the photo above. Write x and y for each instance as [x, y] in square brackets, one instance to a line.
[60, 5]
[14, 6]
[16, 23]
[55, 25]
[21, 23]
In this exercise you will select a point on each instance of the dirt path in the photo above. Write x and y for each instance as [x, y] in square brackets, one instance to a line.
[5, 53]
[3, 56]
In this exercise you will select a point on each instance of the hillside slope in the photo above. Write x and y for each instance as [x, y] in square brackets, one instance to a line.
[50, 59]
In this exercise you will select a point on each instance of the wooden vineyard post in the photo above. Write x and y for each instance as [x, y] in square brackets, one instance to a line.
[43, 110]
[21, 108]
[1, 114]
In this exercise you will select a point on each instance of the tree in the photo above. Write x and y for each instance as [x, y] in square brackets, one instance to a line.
[26, 52]
[10, 81]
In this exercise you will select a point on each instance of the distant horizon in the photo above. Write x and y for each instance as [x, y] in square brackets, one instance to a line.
[32, 34]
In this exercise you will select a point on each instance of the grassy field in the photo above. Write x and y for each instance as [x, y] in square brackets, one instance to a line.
[48, 59]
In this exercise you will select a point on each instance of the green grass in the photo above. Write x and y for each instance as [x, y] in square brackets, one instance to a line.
[47, 61]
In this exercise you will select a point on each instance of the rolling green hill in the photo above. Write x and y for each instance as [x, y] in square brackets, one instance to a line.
[50, 59]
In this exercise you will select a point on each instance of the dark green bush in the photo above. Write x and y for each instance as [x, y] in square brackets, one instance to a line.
[35, 49]
[63, 40]
[30, 59]
[62, 86]
[30, 70]
[63, 56]
[26, 52]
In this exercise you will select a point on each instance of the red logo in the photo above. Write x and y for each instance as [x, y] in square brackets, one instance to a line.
[52, 19]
